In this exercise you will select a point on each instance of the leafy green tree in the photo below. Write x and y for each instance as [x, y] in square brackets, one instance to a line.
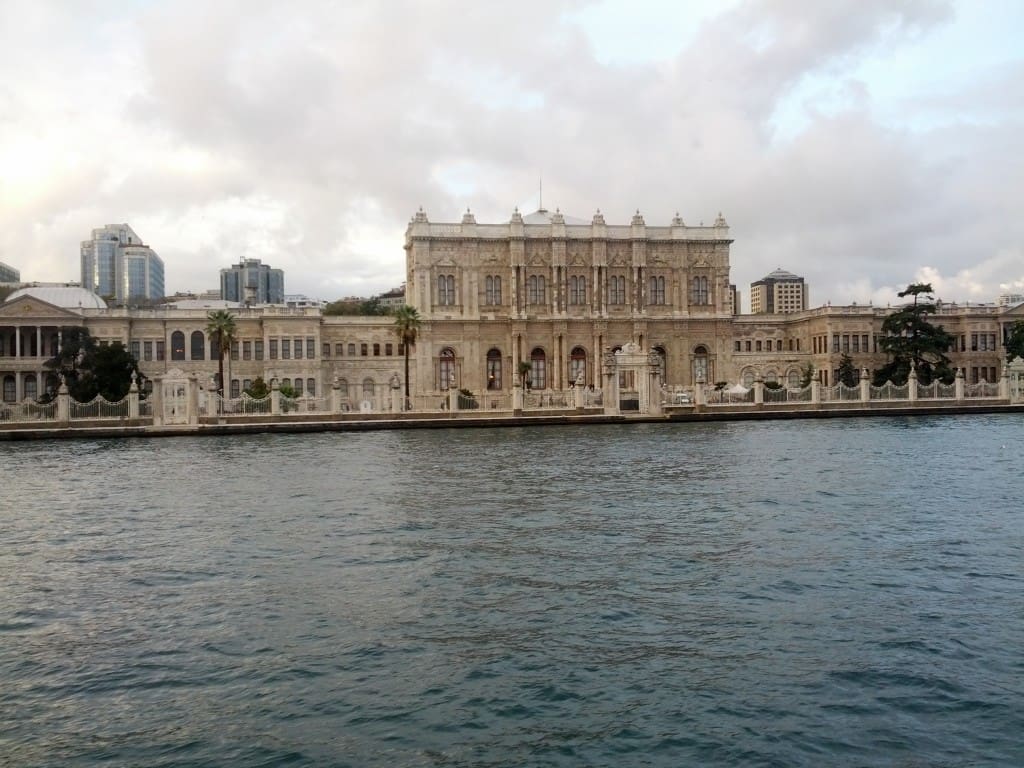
[407, 328]
[91, 369]
[357, 307]
[220, 325]
[806, 375]
[1015, 341]
[258, 389]
[524, 370]
[911, 340]
[848, 374]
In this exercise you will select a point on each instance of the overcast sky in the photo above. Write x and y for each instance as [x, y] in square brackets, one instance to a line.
[863, 144]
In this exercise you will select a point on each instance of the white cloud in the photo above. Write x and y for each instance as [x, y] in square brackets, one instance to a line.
[309, 138]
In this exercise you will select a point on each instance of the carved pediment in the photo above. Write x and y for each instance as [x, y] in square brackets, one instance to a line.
[31, 308]
[537, 261]
[618, 261]
[444, 261]
[577, 260]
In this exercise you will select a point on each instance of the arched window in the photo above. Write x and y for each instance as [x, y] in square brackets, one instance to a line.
[538, 369]
[793, 378]
[10, 389]
[343, 387]
[577, 290]
[663, 357]
[536, 289]
[771, 377]
[198, 345]
[492, 290]
[446, 368]
[657, 295]
[236, 388]
[177, 346]
[617, 290]
[699, 294]
[31, 389]
[368, 387]
[446, 290]
[748, 378]
[311, 387]
[701, 369]
[578, 365]
[298, 387]
[493, 369]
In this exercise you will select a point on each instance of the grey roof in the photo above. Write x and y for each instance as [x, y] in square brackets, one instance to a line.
[781, 274]
[64, 296]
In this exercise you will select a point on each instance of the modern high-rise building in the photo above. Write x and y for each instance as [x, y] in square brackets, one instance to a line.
[9, 274]
[779, 293]
[117, 265]
[252, 282]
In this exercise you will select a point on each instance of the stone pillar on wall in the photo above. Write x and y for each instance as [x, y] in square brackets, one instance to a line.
[335, 396]
[133, 399]
[958, 384]
[758, 390]
[192, 403]
[63, 402]
[156, 401]
[912, 385]
[517, 399]
[396, 394]
[816, 388]
[275, 397]
[865, 386]
[1004, 384]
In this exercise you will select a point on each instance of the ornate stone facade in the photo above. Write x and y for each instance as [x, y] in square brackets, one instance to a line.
[544, 291]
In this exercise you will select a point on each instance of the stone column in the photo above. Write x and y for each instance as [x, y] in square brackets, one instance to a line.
[758, 390]
[1004, 384]
[192, 407]
[699, 399]
[396, 395]
[912, 385]
[611, 393]
[816, 388]
[865, 386]
[133, 398]
[156, 400]
[275, 397]
[335, 396]
[653, 394]
[517, 399]
[579, 395]
[212, 401]
[39, 341]
[958, 384]
[63, 402]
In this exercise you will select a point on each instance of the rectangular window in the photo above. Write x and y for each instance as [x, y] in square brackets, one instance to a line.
[298, 349]
[835, 342]
[339, 350]
[325, 351]
[247, 350]
[259, 349]
[311, 348]
[401, 349]
[351, 350]
[234, 350]
[974, 342]
[757, 345]
[864, 342]
[846, 343]
[136, 350]
[160, 350]
[747, 345]
[388, 350]
[736, 347]
[286, 349]
[376, 350]
[364, 350]
[273, 349]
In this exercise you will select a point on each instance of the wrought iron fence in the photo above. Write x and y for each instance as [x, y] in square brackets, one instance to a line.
[15, 412]
[100, 408]
[981, 389]
[890, 391]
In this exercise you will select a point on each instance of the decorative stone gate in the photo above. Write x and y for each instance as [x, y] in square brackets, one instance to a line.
[175, 398]
[640, 371]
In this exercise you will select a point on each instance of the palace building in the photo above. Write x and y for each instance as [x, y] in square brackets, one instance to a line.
[543, 295]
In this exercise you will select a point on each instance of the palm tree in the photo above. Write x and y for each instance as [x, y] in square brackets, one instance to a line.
[407, 326]
[220, 325]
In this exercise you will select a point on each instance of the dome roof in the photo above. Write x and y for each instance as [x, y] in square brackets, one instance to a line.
[64, 296]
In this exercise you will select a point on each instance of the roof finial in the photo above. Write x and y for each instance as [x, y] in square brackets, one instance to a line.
[540, 182]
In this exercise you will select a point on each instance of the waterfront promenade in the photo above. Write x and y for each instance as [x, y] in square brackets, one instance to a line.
[189, 410]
